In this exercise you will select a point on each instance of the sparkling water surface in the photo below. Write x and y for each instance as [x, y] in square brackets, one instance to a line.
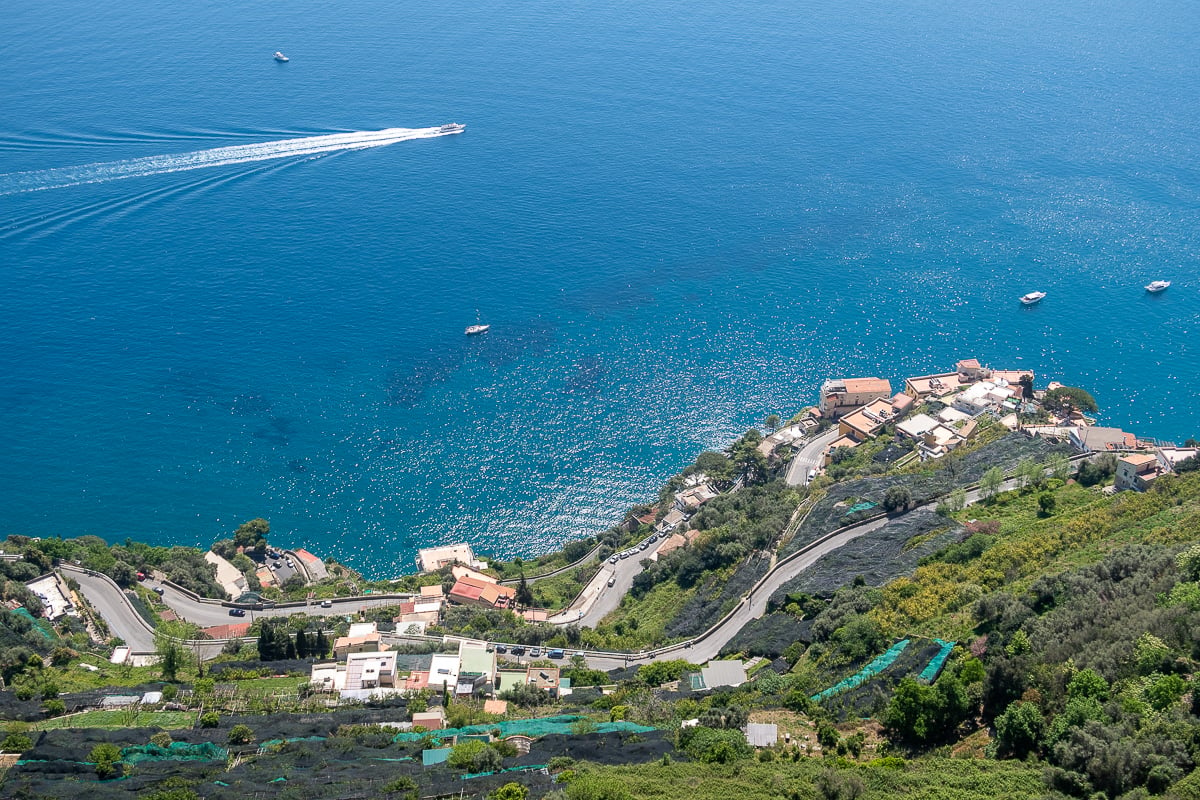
[677, 218]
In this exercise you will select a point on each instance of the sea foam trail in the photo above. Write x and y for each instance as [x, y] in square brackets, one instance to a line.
[62, 177]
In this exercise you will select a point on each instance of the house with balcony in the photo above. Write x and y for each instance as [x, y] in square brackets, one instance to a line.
[483, 592]
[431, 559]
[984, 396]
[363, 637]
[689, 500]
[1137, 471]
[361, 677]
[840, 396]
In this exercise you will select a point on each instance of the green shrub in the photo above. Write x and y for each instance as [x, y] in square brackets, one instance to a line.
[209, 719]
[16, 743]
[241, 734]
[107, 758]
[475, 756]
[712, 745]
[510, 791]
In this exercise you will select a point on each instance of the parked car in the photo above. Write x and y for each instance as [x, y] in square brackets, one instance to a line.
[518, 651]
[501, 649]
[624, 554]
[237, 612]
[643, 545]
[326, 604]
[555, 654]
[612, 560]
[612, 581]
[535, 652]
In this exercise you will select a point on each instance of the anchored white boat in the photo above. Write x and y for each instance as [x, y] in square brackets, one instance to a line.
[280, 57]
[1154, 287]
[1031, 298]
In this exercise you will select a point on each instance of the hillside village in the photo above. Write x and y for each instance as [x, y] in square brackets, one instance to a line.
[692, 626]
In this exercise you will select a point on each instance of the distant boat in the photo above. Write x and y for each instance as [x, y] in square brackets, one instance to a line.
[1154, 287]
[452, 127]
[477, 328]
[280, 57]
[1031, 298]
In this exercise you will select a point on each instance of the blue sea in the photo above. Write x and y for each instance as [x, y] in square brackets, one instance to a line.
[678, 218]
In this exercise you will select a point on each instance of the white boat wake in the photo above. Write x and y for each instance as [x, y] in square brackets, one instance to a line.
[62, 177]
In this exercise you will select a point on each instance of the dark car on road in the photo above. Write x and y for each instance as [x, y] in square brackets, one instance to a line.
[237, 612]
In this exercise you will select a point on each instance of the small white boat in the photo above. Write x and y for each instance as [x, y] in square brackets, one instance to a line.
[1154, 287]
[1031, 298]
[280, 57]
[452, 127]
[477, 328]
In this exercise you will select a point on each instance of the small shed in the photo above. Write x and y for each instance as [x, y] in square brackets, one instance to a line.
[432, 720]
[761, 734]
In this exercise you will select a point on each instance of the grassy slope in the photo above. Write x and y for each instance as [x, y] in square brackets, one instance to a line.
[1085, 526]
[929, 779]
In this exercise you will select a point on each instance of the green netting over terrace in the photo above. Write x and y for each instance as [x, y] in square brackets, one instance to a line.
[935, 664]
[40, 625]
[525, 727]
[878, 665]
[276, 742]
[857, 507]
[176, 751]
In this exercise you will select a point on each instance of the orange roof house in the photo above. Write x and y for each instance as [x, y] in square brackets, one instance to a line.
[234, 631]
[475, 592]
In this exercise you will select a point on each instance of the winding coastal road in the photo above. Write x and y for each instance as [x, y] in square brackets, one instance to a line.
[207, 613]
[597, 599]
[809, 458]
[710, 643]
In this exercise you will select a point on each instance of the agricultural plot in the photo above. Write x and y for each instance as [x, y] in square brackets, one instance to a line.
[715, 598]
[835, 509]
[879, 556]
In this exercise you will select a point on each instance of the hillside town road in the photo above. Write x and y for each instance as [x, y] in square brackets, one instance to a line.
[208, 614]
[754, 606]
[110, 603]
[598, 599]
[809, 458]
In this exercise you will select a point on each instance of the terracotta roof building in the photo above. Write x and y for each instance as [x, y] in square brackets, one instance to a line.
[475, 592]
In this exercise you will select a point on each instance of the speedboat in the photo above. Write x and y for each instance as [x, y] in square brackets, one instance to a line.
[1154, 287]
[452, 127]
[280, 57]
[1031, 298]
[472, 330]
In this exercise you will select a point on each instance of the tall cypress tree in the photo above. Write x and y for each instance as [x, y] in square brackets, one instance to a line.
[301, 644]
[524, 594]
[322, 643]
[265, 642]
